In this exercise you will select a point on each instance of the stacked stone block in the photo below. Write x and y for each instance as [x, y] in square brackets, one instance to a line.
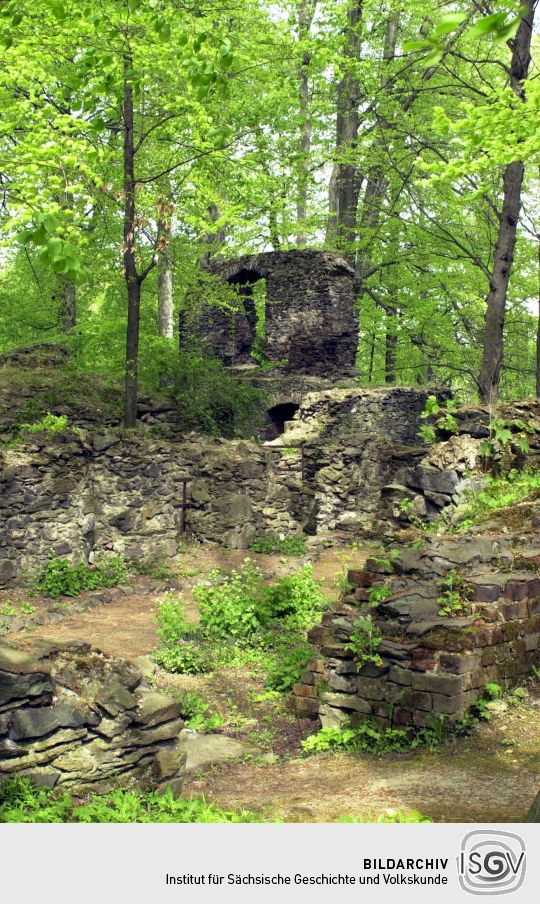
[432, 665]
[75, 718]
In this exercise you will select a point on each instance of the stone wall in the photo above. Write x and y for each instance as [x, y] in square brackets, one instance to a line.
[431, 664]
[73, 717]
[310, 323]
[78, 494]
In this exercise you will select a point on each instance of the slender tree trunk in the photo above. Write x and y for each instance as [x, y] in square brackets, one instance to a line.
[274, 228]
[306, 13]
[377, 184]
[133, 282]
[67, 288]
[345, 181]
[390, 357]
[538, 329]
[507, 233]
[165, 273]
[212, 241]
[68, 305]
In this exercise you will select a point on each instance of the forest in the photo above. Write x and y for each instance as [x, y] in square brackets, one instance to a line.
[269, 411]
[142, 139]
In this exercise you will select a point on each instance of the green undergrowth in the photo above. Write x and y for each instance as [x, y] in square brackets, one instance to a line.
[371, 737]
[20, 801]
[286, 546]
[499, 493]
[243, 622]
[60, 578]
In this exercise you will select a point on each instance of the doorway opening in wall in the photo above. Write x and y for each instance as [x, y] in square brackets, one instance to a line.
[251, 288]
[280, 414]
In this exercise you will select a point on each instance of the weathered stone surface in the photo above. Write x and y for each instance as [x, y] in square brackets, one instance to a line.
[310, 321]
[114, 698]
[81, 742]
[209, 750]
[156, 708]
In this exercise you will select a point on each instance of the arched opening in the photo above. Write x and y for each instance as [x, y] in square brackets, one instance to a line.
[250, 333]
[280, 414]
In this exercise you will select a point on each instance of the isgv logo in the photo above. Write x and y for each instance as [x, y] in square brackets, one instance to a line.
[491, 863]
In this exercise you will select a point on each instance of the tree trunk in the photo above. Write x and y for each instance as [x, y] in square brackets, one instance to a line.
[133, 282]
[306, 13]
[68, 305]
[538, 329]
[165, 274]
[377, 183]
[490, 374]
[390, 354]
[345, 181]
[212, 241]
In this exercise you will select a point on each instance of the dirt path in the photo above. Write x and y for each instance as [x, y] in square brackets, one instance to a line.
[442, 786]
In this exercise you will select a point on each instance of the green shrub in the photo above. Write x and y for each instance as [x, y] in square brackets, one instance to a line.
[60, 578]
[194, 710]
[171, 618]
[242, 621]
[211, 400]
[187, 657]
[285, 663]
[286, 546]
[499, 493]
[20, 802]
[50, 423]
[228, 607]
[298, 595]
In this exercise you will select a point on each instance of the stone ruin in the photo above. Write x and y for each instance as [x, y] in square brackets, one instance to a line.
[74, 718]
[430, 664]
[311, 323]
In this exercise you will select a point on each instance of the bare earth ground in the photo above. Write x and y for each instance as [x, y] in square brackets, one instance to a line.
[491, 776]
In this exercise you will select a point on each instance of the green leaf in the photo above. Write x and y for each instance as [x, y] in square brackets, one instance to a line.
[417, 45]
[449, 23]
[58, 11]
[487, 24]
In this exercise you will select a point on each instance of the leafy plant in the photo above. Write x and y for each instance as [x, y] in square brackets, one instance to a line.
[194, 709]
[378, 595]
[173, 625]
[50, 423]
[505, 435]
[210, 399]
[454, 599]
[60, 578]
[274, 543]
[371, 737]
[365, 641]
[242, 621]
[499, 493]
[443, 415]
[21, 802]
[229, 605]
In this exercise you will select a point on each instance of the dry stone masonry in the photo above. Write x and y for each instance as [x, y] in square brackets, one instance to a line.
[432, 665]
[74, 718]
[310, 320]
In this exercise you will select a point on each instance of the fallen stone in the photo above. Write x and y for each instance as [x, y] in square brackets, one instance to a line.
[204, 750]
